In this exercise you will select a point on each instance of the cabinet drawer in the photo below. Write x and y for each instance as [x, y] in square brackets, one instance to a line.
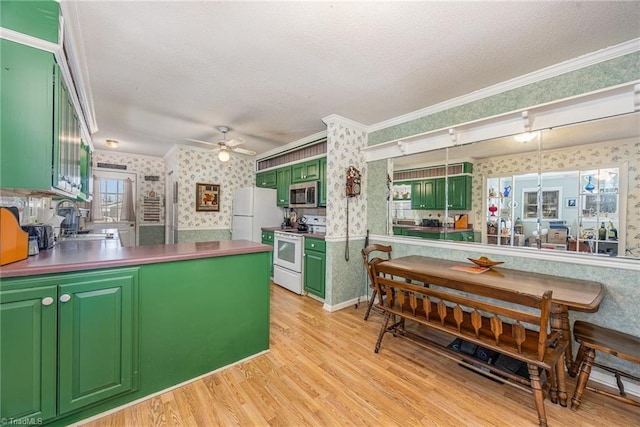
[317, 245]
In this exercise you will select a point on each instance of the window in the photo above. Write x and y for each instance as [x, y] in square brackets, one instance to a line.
[550, 204]
[114, 196]
[111, 192]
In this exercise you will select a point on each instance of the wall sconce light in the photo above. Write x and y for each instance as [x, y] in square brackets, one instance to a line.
[112, 143]
[224, 156]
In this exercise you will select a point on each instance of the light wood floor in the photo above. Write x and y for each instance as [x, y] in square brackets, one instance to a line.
[321, 371]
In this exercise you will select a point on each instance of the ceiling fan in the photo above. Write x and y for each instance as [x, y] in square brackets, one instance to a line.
[224, 146]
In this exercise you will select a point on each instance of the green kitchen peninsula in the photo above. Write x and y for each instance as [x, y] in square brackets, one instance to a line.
[89, 326]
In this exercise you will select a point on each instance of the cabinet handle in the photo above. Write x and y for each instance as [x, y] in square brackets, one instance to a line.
[47, 301]
[313, 245]
[65, 297]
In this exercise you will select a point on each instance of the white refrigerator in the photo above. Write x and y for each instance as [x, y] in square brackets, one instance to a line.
[254, 208]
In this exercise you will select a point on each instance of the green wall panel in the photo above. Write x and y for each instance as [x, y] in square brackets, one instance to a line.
[151, 235]
[204, 235]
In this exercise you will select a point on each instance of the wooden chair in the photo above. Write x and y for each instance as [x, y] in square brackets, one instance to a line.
[591, 338]
[365, 257]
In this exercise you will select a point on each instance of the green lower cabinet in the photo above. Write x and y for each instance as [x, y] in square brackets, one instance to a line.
[399, 231]
[267, 239]
[79, 328]
[314, 266]
[96, 339]
[423, 234]
[28, 320]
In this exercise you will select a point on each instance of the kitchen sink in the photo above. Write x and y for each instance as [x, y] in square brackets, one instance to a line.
[87, 236]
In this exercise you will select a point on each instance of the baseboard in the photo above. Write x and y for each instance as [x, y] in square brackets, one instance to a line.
[609, 380]
[360, 300]
[150, 396]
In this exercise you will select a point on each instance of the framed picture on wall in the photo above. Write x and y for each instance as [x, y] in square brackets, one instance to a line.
[571, 202]
[207, 197]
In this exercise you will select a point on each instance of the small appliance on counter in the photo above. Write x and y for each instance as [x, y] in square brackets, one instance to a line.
[302, 225]
[13, 240]
[43, 234]
[431, 222]
[461, 221]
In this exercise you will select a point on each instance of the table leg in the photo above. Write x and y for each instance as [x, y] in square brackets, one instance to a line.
[559, 319]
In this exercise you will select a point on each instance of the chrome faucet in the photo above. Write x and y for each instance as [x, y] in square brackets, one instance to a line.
[72, 223]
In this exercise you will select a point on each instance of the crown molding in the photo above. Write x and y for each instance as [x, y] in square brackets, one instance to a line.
[348, 122]
[556, 70]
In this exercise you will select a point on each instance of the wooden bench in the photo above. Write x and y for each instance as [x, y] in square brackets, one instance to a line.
[512, 324]
[591, 338]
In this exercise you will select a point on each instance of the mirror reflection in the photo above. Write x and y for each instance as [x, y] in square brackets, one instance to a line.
[574, 189]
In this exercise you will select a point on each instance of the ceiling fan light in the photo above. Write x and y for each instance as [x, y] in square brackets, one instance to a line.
[224, 156]
[525, 137]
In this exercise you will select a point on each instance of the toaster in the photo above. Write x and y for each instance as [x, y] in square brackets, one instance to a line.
[44, 234]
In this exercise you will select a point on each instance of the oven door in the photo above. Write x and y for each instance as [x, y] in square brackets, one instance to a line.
[287, 251]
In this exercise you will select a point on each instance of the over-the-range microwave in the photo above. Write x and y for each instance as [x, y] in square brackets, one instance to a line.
[303, 195]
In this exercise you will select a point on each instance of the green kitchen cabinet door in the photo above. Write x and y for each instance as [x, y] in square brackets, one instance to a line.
[28, 354]
[27, 116]
[266, 179]
[305, 172]
[439, 193]
[323, 182]
[459, 188]
[267, 239]
[283, 176]
[314, 271]
[97, 338]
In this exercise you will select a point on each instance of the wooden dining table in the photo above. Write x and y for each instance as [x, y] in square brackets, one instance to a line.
[568, 294]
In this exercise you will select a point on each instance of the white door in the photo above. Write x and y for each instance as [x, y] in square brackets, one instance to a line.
[242, 228]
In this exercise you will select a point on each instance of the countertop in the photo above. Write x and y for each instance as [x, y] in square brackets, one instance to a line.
[95, 254]
[294, 230]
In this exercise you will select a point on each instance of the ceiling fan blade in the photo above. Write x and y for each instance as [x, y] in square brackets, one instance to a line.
[216, 147]
[244, 151]
[233, 142]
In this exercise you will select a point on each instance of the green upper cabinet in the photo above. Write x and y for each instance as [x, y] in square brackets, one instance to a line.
[423, 194]
[459, 188]
[28, 320]
[304, 172]
[266, 179]
[27, 107]
[38, 19]
[284, 181]
[96, 337]
[323, 182]
[430, 194]
[40, 127]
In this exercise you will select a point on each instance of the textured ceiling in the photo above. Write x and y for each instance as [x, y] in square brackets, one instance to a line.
[162, 72]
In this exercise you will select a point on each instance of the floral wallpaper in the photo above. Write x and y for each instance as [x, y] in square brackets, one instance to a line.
[196, 166]
[143, 166]
[583, 157]
[343, 150]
